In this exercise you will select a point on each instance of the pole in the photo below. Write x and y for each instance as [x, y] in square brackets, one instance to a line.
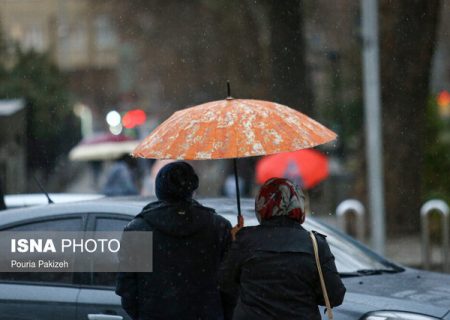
[372, 104]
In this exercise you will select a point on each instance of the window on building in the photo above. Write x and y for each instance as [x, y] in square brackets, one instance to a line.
[105, 35]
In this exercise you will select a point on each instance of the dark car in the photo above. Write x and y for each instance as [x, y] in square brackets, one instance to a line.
[377, 289]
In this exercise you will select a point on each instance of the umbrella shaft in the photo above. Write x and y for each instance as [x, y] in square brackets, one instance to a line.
[238, 196]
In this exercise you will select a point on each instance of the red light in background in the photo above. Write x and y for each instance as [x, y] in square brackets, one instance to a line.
[134, 118]
[443, 99]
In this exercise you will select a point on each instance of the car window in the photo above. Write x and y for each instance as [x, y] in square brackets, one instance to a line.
[349, 256]
[37, 277]
[107, 279]
[66, 224]
[110, 224]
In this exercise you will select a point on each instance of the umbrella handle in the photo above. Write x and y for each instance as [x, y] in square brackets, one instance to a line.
[237, 227]
[240, 223]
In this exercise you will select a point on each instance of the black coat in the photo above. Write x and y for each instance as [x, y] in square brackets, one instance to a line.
[189, 242]
[273, 267]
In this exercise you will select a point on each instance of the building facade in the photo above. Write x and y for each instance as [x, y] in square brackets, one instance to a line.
[80, 37]
[12, 146]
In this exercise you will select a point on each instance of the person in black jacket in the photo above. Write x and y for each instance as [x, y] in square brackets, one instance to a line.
[273, 265]
[189, 242]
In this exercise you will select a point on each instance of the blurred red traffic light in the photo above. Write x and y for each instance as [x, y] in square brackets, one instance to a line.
[443, 99]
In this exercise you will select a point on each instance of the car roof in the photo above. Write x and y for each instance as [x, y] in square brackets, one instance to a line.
[131, 206]
[33, 199]
[120, 205]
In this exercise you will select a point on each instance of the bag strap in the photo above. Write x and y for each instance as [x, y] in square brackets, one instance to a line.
[322, 281]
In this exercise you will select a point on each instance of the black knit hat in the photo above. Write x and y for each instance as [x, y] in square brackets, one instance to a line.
[176, 181]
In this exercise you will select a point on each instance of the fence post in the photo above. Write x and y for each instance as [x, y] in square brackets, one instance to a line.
[442, 208]
[348, 206]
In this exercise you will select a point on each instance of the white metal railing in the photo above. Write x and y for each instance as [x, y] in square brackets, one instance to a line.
[347, 207]
[442, 209]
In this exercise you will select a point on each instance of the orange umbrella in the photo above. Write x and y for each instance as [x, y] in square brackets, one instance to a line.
[232, 128]
[308, 166]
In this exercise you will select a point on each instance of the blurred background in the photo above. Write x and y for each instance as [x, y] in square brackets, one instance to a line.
[74, 70]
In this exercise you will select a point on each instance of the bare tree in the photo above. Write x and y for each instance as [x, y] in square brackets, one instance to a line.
[408, 33]
[291, 83]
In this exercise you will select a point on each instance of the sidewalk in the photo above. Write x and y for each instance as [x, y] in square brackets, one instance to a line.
[83, 182]
[405, 250]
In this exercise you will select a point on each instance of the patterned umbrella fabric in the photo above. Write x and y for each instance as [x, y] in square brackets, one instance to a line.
[232, 128]
[305, 167]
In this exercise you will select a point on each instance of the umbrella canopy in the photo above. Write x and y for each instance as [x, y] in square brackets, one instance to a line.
[305, 167]
[103, 147]
[232, 128]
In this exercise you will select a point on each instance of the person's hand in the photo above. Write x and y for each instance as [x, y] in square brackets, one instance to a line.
[237, 227]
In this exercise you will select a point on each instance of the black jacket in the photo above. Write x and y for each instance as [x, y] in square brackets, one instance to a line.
[273, 267]
[189, 242]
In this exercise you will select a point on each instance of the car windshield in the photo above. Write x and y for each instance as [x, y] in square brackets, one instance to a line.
[352, 258]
